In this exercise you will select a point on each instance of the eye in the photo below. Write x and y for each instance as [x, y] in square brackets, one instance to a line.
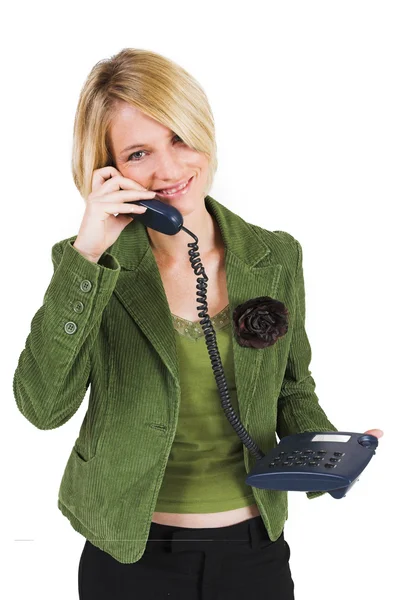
[133, 155]
[136, 159]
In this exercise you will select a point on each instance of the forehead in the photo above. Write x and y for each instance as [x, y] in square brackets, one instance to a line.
[130, 122]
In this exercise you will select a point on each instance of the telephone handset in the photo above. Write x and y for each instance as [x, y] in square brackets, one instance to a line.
[316, 461]
[159, 216]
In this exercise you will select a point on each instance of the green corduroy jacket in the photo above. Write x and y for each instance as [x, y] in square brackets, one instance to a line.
[108, 325]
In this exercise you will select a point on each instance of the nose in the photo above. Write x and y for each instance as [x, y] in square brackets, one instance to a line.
[169, 168]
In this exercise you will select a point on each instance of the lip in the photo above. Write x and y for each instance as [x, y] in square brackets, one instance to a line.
[179, 193]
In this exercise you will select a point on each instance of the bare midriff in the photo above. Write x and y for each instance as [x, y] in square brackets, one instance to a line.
[206, 520]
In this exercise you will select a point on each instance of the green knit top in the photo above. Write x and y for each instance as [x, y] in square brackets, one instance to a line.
[205, 471]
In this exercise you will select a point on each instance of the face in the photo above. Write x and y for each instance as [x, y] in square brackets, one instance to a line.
[160, 160]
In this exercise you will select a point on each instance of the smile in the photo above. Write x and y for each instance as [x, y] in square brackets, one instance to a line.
[177, 191]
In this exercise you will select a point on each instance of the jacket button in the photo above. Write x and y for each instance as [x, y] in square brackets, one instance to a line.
[70, 327]
[85, 286]
[78, 306]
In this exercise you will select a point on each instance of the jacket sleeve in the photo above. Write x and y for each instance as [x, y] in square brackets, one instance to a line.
[53, 370]
[298, 405]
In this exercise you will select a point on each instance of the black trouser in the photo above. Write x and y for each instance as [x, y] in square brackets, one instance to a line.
[237, 562]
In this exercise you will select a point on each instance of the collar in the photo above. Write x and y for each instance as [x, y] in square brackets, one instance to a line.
[240, 240]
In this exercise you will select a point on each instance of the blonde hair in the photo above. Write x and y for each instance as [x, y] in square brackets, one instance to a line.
[158, 87]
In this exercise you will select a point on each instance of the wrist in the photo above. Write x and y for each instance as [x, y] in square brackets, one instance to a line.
[94, 259]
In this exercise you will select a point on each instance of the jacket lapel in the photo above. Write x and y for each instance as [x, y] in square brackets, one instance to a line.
[249, 274]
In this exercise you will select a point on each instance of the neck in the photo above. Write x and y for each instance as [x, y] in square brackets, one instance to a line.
[173, 249]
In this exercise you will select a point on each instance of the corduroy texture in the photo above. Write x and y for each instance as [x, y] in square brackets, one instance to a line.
[108, 325]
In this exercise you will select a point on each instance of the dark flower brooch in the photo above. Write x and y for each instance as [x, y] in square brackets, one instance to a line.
[259, 322]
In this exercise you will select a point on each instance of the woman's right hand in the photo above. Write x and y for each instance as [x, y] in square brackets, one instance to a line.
[100, 228]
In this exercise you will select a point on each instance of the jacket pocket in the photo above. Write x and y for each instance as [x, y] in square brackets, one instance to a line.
[76, 480]
[81, 455]
[88, 442]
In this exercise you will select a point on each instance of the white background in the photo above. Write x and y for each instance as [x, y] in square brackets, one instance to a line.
[306, 101]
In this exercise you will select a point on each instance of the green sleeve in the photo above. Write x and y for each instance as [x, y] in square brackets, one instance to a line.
[298, 405]
[53, 370]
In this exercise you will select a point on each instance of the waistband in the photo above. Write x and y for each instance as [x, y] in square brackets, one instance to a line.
[251, 530]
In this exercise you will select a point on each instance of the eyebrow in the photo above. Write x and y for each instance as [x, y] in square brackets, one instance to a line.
[140, 145]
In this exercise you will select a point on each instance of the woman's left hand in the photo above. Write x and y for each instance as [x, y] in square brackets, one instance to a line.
[376, 432]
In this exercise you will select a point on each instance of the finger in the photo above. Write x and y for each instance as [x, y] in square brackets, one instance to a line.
[117, 183]
[101, 175]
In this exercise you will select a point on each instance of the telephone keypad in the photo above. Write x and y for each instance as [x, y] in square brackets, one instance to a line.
[306, 457]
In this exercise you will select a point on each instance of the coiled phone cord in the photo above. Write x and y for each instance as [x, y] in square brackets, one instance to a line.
[212, 348]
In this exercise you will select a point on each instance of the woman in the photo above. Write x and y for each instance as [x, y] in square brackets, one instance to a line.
[156, 478]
